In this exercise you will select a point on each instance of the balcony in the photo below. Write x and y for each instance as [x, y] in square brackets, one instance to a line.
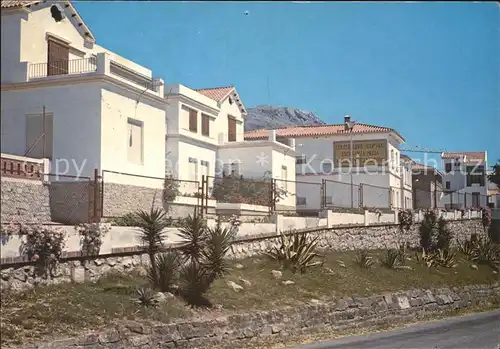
[99, 64]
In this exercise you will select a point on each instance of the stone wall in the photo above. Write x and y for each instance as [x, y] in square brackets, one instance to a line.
[234, 331]
[19, 274]
[24, 200]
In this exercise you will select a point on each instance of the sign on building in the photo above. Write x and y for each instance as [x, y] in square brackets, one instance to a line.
[365, 153]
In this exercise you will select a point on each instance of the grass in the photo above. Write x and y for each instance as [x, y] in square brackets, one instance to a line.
[67, 309]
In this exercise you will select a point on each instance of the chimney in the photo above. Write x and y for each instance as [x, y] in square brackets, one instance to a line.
[272, 135]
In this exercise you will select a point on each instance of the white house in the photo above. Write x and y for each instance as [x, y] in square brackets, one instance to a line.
[205, 137]
[70, 100]
[324, 155]
[464, 179]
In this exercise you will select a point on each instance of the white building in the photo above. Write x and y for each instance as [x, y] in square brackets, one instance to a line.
[205, 137]
[493, 193]
[324, 156]
[70, 100]
[464, 179]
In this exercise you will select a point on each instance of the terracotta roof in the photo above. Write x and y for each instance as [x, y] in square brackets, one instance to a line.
[26, 3]
[216, 93]
[17, 3]
[472, 155]
[419, 166]
[317, 130]
[492, 192]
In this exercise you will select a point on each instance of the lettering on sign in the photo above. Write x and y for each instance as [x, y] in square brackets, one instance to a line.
[364, 153]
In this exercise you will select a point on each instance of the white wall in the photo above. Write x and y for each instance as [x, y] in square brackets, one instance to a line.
[76, 121]
[11, 68]
[117, 107]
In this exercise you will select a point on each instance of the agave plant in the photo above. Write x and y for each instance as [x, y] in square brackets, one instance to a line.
[444, 258]
[295, 252]
[218, 243]
[485, 251]
[390, 259]
[194, 232]
[428, 259]
[195, 282]
[166, 274]
[363, 259]
[151, 231]
[466, 247]
[146, 297]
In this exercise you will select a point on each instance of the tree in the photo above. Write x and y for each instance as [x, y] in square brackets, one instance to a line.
[494, 177]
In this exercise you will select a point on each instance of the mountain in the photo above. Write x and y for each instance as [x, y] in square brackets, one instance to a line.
[265, 116]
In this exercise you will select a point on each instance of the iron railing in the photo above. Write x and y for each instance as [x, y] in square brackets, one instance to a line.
[63, 67]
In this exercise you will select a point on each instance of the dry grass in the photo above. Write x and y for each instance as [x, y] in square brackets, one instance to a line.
[65, 309]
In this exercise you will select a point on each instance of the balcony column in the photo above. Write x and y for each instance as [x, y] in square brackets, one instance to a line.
[103, 63]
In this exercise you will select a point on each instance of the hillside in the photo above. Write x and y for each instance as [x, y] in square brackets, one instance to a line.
[264, 116]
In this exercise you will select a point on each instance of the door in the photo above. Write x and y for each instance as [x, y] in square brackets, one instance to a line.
[231, 132]
[58, 58]
[475, 199]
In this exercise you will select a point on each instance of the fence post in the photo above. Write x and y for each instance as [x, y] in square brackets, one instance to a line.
[273, 195]
[323, 194]
[203, 194]
[97, 197]
[390, 198]
[361, 195]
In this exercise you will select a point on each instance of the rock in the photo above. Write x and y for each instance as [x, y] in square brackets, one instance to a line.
[98, 262]
[288, 282]
[233, 285]
[239, 266]
[245, 282]
[160, 297]
[168, 295]
[277, 274]
[329, 271]
[342, 264]
[473, 266]
[315, 301]
[406, 267]
[495, 272]
[78, 274]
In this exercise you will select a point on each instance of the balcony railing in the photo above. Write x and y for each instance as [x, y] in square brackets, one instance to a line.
[63, 67]
[21, 169]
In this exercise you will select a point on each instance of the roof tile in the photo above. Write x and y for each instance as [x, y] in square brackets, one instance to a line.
[471, 155]
[316, 130]
[17, 3]
[216, 93]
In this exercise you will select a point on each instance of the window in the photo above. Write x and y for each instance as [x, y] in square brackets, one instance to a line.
[300, 159]
[284, 177]
[475, 175]
[193, 120]
[231, 129]
[58, 58]
[230, 100]
[193, 169]
[300, 201]
[39, 135]
[205, 125]
[447, 167]
[326, 167]
[134, 141]
[204, 168]
[392, 158]
[448, 186]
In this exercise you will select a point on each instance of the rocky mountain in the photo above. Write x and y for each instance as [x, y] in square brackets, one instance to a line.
[265, 116]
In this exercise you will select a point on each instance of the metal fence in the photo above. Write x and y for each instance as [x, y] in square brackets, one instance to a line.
[375, 196]
[297, 196]
[341, 194]
[63, 67]
[231, 189]
[446, 199]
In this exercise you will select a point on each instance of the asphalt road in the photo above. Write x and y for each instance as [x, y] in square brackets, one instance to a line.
[477, 331]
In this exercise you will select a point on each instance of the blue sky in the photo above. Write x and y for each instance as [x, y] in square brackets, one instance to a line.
[429, 70]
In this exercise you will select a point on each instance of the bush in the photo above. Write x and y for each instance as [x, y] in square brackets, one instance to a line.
[363, 259]
[439, 258]
[167, 271]
[434, 232]
[390, 259]
[91, 235]
[295, 252]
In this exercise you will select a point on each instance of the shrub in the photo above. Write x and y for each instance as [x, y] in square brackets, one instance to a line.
[151, 232]
[91, 235]
[485, 251]
[127, 220]
[486, 217]
[167, 271]
[363, 259]
[195, 283]
[439, 258]
[146, 297]
[390, 259]
[218, 243]
[170, 189]
[434, 232]
[295, 252]
[194, 233]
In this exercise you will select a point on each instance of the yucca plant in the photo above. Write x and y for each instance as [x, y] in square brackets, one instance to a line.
[167, 271]
[429, 259]
[295, 252]
[390, 259]
[445, 258]
[218, 243]
[363, 259]
[151, 225]
[194, 232]
[466, 247]
[195, 283]
[485, 251]
[146, 297]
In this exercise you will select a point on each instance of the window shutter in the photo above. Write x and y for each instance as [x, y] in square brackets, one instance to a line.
[231, 132]
[193, 120]
[205, 125]
[58, 57]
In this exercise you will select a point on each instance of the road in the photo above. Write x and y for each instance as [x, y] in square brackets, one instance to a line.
[477, 331]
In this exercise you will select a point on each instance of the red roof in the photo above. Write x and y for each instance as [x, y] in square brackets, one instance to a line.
[216, 93]
[470, 156]
[419, 166]
[317, 130]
